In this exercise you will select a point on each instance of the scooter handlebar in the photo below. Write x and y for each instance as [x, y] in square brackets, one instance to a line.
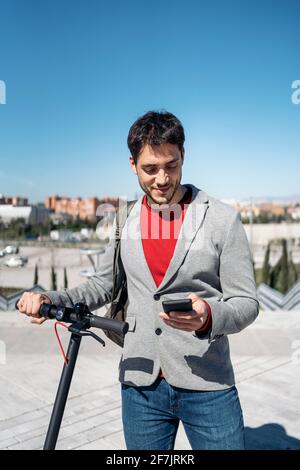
[119, 327]
[69, 315]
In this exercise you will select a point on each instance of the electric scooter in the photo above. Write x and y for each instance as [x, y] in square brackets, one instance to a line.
[80, 319]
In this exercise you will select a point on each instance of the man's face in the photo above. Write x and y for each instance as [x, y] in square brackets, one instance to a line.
[159, 170]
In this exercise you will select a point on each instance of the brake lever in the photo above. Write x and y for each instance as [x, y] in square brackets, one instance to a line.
[74, 329]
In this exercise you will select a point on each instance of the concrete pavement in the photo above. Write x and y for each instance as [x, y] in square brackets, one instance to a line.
[266, 357]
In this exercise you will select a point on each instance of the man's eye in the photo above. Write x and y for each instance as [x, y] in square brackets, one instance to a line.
[172, 166]
[149, 170]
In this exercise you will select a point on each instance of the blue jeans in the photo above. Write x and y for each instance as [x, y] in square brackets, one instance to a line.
[151, 415]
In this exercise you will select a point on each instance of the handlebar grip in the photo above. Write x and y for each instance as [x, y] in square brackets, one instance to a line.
[119, 327]
[48, 311]
[17, 301]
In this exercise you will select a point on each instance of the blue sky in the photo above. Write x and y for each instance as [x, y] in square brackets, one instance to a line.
[79, 72]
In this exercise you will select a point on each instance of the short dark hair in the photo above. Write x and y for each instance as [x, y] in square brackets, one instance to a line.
[155, 128]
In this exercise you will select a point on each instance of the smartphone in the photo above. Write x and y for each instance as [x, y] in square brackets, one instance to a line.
[181, 305]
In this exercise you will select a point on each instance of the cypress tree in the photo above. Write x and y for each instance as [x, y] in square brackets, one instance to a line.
[65, 279]
[53, 279]
[36, 276]
[265, 275]
[274, 273]
[283, 276]
[293, 274]
[279, 277]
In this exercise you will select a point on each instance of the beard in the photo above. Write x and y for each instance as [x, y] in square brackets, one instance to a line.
[163, 199]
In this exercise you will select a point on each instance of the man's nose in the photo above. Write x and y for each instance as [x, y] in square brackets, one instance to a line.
[162, 178]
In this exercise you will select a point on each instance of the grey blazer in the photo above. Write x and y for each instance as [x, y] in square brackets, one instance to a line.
[212, 259]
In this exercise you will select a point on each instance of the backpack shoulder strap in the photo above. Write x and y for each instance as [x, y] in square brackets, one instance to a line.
[121, 217]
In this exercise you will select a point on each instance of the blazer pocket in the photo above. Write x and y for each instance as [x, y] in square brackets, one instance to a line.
[131, 323]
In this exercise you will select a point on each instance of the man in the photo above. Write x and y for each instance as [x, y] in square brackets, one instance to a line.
[177, 242]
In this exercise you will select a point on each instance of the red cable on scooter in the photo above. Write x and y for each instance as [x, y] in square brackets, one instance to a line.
[66, 360]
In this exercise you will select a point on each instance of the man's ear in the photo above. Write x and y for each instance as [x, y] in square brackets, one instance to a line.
[182, 154]
[132, 164]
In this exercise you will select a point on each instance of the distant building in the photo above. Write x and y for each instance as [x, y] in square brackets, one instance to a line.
[84, 209]
[272, 208]
[14, 200]
[258, 209]
[32, 215]
[248, 210]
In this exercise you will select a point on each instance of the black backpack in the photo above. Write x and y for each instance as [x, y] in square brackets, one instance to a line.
[119, 298]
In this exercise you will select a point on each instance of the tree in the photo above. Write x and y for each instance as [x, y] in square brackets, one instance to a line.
[284, 274]
[53, 279]
[36, 275]
[265, 275]
[65, 279]
[293, 274]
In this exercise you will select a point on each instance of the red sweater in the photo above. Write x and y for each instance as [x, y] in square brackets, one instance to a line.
[160, 230]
